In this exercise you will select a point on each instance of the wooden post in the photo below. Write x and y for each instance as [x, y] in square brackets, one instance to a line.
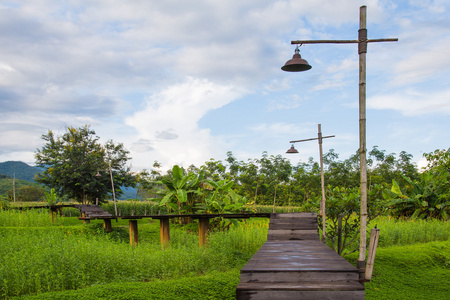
[83, 215]
[164, 229]
[374, 235]
[107, 225]
[362, 50]
[51, 213]
[203, 228]
[134, 237]
[322, 180]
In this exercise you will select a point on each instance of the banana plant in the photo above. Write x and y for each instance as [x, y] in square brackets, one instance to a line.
[423, 199]
[181, 190]
[51, 197]
[222, 199]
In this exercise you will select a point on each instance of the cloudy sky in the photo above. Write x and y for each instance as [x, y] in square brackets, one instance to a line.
[181, 82]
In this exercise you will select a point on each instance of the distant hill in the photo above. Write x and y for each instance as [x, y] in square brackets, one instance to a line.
[19, 170]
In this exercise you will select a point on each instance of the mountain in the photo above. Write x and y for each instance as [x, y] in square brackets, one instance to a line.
[19, 170]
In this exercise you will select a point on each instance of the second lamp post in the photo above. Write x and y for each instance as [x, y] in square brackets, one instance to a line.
[322, 180]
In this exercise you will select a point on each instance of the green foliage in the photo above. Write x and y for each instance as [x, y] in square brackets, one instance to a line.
[57, 258]
[192, 193]
[27, 193]
[7, 183]
[133, 207]
[52, 198]
[215, 285]
[78, 166]
[343, 221]
[394, 232]
[4, 203]
[181, 190]
[66, 260]
[427, 198]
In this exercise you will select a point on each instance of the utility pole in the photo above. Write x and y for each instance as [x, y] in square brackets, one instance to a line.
[297, 64]
[322, 177]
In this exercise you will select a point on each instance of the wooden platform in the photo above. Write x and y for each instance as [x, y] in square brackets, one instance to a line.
[295, 264]
[92, 211]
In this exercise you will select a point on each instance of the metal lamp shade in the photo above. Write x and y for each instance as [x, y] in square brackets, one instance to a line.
[292, 150]
[296, 64]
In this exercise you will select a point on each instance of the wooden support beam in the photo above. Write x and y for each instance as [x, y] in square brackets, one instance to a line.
[85, 221]
[203, 228]
[107, 225]
[53, 217]
[374, 236]
[134, 237]
[164, 229]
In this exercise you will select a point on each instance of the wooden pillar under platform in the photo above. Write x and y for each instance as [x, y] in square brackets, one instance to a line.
[84, 220]
[164, 229]
[134, 236]
[203, 229]
[52, 214]
[107, 225]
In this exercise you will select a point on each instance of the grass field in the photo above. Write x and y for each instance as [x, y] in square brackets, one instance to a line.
[68, 260]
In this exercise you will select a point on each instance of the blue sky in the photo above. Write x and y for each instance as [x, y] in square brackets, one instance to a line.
[181, 82]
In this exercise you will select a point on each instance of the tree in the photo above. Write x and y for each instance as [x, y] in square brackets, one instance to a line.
[77, 165]
[27, 193]
[147, 182]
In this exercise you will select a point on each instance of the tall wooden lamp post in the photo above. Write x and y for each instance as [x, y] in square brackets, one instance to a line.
[322, 179]
[297, 64]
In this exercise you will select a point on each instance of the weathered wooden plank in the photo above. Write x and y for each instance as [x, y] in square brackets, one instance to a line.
[304, 286]
[297, 276]
[295, 264]
[292, 231]
[293, 220]
[304, 295]
[293, 227]
[294, 215]
[298, 237]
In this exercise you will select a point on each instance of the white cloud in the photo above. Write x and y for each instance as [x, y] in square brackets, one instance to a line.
[423, 62]
[170, 120]
[413, 103]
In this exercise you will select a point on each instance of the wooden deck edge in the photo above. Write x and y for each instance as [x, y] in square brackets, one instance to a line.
[302, 286]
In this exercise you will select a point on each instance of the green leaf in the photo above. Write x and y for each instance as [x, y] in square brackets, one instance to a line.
[166, 199]
[396, 189]
[182, 196]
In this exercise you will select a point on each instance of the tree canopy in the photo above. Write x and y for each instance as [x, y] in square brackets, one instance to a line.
[78, 166]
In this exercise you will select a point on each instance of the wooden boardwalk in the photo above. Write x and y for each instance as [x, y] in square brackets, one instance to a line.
[295, 264]
[92, 211]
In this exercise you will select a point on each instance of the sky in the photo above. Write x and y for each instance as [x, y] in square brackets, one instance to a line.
[181, 82]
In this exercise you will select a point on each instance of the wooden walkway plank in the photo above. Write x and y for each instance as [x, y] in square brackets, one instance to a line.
[295, 264]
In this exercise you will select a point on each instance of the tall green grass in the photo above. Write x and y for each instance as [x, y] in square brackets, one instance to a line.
[136, 208]
[39, 257]
[57, 258]
[406, 232]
